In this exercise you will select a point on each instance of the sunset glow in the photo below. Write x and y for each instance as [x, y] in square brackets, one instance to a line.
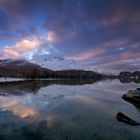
[100, 33]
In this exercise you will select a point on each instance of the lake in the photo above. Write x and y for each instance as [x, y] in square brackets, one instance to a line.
[66, 110]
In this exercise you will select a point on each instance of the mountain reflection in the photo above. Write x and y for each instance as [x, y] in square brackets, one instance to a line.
[129, 80]
[25, 87]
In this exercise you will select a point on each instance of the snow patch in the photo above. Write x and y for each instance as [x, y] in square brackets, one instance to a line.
[56, 62]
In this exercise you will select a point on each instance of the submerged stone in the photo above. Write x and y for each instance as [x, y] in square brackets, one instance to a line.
[123, 118]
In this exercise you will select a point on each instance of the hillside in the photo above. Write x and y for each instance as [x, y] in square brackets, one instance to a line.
[19, 68]
[25, 69]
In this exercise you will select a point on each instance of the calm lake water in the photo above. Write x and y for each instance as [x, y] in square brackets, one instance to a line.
[66, 110]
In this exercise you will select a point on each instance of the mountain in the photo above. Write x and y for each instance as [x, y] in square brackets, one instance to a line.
[24, 69]
[18, 67]
[56, 62]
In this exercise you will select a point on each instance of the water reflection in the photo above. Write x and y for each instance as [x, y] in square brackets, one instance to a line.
[17, 107]
[129, 80]
[24, 87]
[66, 110]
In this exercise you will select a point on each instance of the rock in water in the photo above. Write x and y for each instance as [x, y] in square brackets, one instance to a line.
[123, 118]
[133, 96]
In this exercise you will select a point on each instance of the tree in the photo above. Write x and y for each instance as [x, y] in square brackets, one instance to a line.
[35, 73]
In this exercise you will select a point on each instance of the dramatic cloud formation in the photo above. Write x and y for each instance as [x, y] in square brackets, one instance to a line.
[20, 48]
[98, 50]
[102, 34]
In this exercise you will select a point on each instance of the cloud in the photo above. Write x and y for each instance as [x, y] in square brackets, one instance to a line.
[35, 44]
[52, 37]
[79, 29]
[20, 48]
[114, 63]
[102, 48]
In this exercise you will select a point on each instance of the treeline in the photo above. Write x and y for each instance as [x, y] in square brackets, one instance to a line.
[76, 74]
[135, 74]
[37, 73]
[127, 77]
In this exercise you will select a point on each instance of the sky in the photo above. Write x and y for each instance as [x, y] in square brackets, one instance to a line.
[104, 35]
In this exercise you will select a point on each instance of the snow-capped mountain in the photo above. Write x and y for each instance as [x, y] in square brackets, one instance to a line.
[16, 67]
[56, 62]
[49, 67]
[16, 63]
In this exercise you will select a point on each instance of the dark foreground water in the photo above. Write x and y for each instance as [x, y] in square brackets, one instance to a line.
[66, 110]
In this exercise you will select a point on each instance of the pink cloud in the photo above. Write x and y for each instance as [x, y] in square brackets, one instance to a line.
[20, 48]
[100, 49]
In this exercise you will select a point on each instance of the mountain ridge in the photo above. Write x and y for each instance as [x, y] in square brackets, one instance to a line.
[26, 69]
[56, 62]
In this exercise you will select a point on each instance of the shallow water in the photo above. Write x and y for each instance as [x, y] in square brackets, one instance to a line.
[66, 111]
